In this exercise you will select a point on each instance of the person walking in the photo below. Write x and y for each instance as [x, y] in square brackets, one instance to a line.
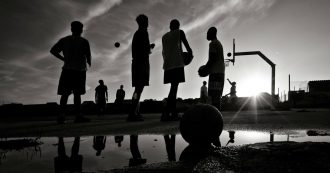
[141, 48]
[101, 97]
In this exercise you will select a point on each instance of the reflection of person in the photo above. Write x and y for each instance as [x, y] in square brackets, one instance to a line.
[231, 137]
[118, 140]
[99, 144]
[120, 95]
[170, 147]
[63, 163]
[215, 68]
[141, 48]
[271, 138]
[173, 66]
[204, 95]
[137, 158]
[76, 52]
[101, 96]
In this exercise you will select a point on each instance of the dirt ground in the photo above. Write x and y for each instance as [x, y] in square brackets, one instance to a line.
[116, 124]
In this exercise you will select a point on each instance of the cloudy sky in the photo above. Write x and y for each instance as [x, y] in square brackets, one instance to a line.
[294, 34]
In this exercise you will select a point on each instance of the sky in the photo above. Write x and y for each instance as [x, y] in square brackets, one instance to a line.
[294, 34]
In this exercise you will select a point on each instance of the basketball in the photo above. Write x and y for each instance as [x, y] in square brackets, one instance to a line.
[201, 124]
[187, 58]
[202, 71]
[117, 44]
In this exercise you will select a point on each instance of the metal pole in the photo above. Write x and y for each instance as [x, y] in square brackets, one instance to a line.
[273, 80]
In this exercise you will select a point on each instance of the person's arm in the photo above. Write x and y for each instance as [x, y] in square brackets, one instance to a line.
[212, 56]
[211, 60]
[56, 49]
[95, 95]
[88, 54]
[117, 94]
[185, 42]
[229, 81]
[106, 94]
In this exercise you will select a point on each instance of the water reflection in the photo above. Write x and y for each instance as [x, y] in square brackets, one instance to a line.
[79, 153]
[231, 137]
[137, 158]
[170, 147]
[119, 140]
[99, 144]
[63, 163]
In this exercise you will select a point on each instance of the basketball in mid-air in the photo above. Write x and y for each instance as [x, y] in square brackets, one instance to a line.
[117, 44]
[229, 54]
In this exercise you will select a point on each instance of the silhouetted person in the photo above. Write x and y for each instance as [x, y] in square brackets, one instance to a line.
[173, 66]
[63, 163]
[120, 96]
[232, 94]
[141, 48]
[170, 147]
[137, 159]
[232, 88]
[118, 140]
[231, 137]
[76, 53]
[99, 144]
[101, 97]
[204, 95]
[215, 68]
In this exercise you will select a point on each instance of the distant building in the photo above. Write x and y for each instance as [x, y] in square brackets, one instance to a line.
[319, 86]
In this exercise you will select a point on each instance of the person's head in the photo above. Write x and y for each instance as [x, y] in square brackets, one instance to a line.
[211, 33]
[121, 86]
[101, 82]
[174, 24]
[142, 21]
[204, 82]
[76, 28]
[234, 83]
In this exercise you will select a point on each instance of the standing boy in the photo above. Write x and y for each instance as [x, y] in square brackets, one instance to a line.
[76, 53]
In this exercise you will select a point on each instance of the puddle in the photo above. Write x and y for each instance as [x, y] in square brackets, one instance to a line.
[119, 151]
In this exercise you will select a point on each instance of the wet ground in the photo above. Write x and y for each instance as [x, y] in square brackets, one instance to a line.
[116, 124]
[152, 144]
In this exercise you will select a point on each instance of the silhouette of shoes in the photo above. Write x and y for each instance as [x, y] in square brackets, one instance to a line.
[81, 120]
[61, 119]
[133, 118]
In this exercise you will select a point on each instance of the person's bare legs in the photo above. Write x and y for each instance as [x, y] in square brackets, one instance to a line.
[63, 104]
[134, 114]
[77, 104]
[171, 104]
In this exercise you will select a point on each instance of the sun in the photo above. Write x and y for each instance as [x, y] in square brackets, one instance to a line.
[252, 86]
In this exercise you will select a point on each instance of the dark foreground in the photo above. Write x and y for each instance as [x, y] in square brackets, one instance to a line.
[256, 158]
